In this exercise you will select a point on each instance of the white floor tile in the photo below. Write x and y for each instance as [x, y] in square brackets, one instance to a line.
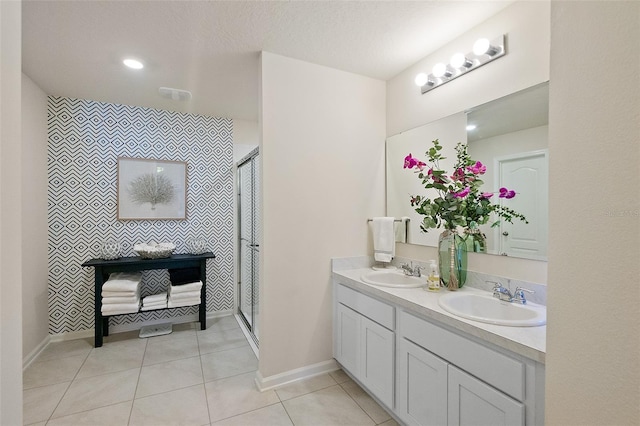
[330, 406]
[49, 372]
[220, 323]
[368, 404]
[183, 407]
[340, 376]
[114, 357]
[112, 415]
[98, 391]
[39, 403]
[214, 341]
[168, 376]
[218, 365]
[55, 350]
[273, 415]
[170, 348]
[304, 387]
[236, 395]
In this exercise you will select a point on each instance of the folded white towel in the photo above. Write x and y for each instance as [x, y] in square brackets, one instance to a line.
[119, 300]
[384, 245]
[124, 311]
[122, 281]
[106, 293]
[187, 295]
[195, 286]
[118, 307]
[160, 297]
[153, 306]
[183, 302]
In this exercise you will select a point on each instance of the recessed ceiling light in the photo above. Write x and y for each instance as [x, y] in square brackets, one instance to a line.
[133, 63]
[471, 127]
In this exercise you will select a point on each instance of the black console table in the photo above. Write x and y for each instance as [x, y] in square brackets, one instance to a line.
[131, 264]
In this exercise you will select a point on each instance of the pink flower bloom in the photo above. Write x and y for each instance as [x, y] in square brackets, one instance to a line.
[458, 175]
[462, 193]
[505, 193]
[478, 168]
[434, 177]
[409, 162]
[486, 195]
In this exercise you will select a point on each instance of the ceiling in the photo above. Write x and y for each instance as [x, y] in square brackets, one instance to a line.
[211, 48]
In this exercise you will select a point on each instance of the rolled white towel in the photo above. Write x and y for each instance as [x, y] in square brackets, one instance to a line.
[160, 297]
[121, 281]
[120, 300]
[182, 296]
[195, 286]
[183, 302]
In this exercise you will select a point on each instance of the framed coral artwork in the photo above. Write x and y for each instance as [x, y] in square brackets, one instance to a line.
[151, 189]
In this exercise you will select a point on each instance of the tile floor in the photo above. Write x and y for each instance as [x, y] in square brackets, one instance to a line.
[188, 377]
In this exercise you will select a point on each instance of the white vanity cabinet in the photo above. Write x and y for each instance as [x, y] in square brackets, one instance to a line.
[447, 379]
[364, 341]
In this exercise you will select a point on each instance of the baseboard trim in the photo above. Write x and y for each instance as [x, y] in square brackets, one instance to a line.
[31, 356]
[291, 376]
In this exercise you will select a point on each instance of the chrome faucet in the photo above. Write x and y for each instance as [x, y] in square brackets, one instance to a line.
[503, 293]
[410, 271]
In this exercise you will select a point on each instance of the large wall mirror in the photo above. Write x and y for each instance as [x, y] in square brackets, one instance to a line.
[509, 135]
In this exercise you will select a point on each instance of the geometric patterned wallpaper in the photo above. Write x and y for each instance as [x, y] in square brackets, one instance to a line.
[85, 139]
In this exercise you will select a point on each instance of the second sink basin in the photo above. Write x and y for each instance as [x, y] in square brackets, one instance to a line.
[485, 308]
[392, 279]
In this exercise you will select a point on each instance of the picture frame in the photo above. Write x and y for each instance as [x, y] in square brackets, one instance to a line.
[151, 189]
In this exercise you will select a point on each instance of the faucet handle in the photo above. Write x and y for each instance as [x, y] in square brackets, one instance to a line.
[496, 285]
[518, 295]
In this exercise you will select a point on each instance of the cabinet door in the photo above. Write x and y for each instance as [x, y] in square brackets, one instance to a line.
[422, 386]
[377, 365]
[348, 339]
[474, 403]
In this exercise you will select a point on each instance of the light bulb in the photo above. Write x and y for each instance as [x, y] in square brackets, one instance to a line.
[459, 60]
[439, 70]
[421, 79]
[483, 46]
[132, 63]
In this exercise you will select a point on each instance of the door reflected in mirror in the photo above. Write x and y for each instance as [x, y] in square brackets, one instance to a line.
[509, 136]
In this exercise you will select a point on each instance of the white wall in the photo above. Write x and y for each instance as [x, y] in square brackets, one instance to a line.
[245, 138]
[10, 216]
[322, 149]
[527, 26]
[35, 310]
[593, 338]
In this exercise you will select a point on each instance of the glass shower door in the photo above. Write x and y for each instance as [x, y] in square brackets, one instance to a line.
[248, 244]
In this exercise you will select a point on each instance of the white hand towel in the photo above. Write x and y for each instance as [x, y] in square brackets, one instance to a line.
[119, 300]
[182, 296]
[121, 281]
[160, 305]
[160, 297]
[183, 302]
[196, 286]
[106, 293]
[384, 246]
[120, 308]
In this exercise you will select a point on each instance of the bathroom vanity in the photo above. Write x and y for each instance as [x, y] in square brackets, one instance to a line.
[429, 367]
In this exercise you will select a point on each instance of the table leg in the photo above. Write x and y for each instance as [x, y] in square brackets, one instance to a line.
[98, 323]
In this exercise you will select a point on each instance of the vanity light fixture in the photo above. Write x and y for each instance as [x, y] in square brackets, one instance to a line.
[133, 63]
[483, 52]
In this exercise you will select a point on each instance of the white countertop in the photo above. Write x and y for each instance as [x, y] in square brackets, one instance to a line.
[529, 342]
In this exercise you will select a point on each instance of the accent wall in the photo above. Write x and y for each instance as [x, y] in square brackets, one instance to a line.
[85, 139]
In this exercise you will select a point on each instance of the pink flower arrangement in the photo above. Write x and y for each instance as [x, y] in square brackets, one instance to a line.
[460, 201]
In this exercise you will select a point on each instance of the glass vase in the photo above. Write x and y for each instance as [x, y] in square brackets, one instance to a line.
[476, 240]
[452, 259]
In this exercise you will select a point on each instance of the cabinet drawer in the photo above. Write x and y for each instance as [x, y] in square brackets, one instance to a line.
[371, 308]
[500, 371]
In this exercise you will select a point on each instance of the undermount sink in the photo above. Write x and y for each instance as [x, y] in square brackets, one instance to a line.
[392, 279]
[485, 308]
